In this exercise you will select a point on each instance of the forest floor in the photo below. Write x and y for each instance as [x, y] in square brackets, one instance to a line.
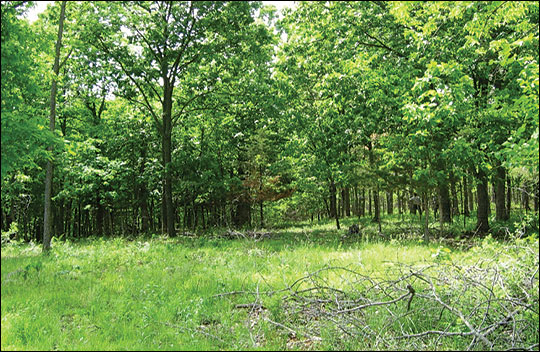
[306, 286]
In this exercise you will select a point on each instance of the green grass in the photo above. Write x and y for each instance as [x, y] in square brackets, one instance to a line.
[159, 293]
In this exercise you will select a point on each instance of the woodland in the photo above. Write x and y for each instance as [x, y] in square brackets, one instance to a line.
[225, 175]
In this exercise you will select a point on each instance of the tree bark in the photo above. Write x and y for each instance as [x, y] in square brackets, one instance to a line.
[508, 196]
[455, 201]
[390, 202]
[347, 201]
[99, 215]
[466, 211]
[167, 143]
[426, 220]
[482, 225]
[333, 203]
[444, 203]
[261, 211]
[536, 191]
[47, 221]
[500, 197]
[376, 201]
[370, 212]
[400, 202]
[525, 196]
[363, 203]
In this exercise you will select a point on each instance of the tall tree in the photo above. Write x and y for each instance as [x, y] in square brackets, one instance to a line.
[157, 47]
[47, 214]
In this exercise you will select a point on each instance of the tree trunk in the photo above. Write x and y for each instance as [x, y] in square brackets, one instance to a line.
[241, 214]
[455, 201]
[347, 201]
[143, 196]
[500, 197]
[536, 191]
[167, 145]
[444, 203]
[363, 203]
[400, 202]
[261, 211]
[99, 215]
[327, 208]
[341, 203]
[426, 220]
[333, 203]
[390, 202]
[466, 211]
[67, 220]
[482, 225]
[163, 211]
[49, 173]
[412, 206]
[508, 196]
[356, 203]
[377, 210]
[370, 212]
[525, 196]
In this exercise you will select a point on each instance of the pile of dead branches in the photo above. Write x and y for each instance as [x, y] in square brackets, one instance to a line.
[486, 306]
[252, 235]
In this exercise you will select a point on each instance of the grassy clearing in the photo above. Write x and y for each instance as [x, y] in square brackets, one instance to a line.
[161, 293]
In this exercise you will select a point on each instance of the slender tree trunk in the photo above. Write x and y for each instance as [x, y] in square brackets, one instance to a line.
[412, 206]
[390, 202]
[193, 214]
[328, 212]
[356, 210]
[143, 196]
[79, 220]
[500, 197]
[99, 216]
[455, 201]
[536, 191]
[203, 223]
[362, 203]
[426, 220]
[341, 203]
[377, 210]
[525, 196]
[471, 199]
[262, 213]
[370, 212]
[49, 173]
[466, 211]
[482, 225]
[508, 196]
[167, 145]
[400, 202]
[347, 201]
[163, 211]
[67, 219]
[441, 221]
[333, 203]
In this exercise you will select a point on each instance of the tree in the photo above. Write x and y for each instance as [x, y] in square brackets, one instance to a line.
[47, 217]
[155, 46]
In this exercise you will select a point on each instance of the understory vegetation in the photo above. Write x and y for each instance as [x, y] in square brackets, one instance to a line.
[303, 287]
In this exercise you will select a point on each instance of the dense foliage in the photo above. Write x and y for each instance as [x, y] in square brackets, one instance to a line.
[180, 116]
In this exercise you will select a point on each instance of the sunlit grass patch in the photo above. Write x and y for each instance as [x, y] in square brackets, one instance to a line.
[184, 293]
